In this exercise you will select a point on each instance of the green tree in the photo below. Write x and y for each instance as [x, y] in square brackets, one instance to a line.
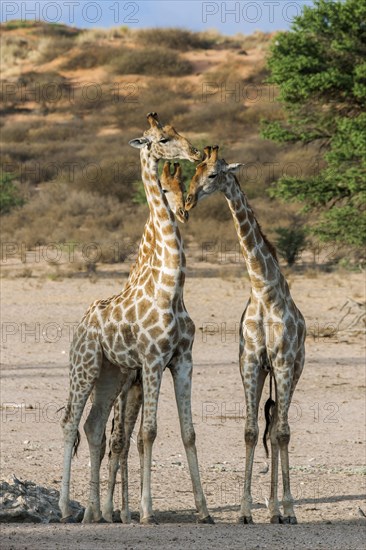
[319, 67]
[290, 243]
[9, 194]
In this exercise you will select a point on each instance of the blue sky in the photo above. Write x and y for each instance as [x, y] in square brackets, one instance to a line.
[228, 17]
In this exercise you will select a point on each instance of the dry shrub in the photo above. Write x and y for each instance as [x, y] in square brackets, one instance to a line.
[114, 178]
[176, 39]
[88, 58]
[211, 222]
[14, 49]
[59, 214]
[55, 30]
[96, 101]
[258, 39]
[91, 36]
[41, 161]
[58, 132]
[50, 48]
[151, 62]
[227, 73]
[17, 132]
[48, 89]
[158, 96]
[222, 119]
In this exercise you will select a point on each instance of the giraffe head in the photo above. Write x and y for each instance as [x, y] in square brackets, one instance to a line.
[165, 142]
[212, 174]
[173, 188]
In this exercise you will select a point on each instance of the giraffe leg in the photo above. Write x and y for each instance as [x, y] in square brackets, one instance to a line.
[280, 438]
[70, 423]
[274, 506]
[182, 377]
[253, 377]
[126, 410]
[151, 381]
[80, 389]
[107, 388]
[134, 400]
[116, 442]
[140, 448]
[287, 500]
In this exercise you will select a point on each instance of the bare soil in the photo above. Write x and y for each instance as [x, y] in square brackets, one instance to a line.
[327, 418]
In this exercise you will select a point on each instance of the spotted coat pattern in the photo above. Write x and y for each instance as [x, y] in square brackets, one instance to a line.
[272, 331]
[125, 413]
[144, 328]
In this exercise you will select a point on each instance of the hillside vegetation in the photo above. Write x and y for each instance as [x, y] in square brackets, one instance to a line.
[72, 99]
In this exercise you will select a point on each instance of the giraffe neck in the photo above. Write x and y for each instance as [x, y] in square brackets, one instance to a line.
[262, 266]
[147, 245]
[167, 251]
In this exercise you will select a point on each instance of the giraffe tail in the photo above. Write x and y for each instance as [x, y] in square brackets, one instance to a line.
[112, 429]
[63, 422]
[268, 414]
[76, 444]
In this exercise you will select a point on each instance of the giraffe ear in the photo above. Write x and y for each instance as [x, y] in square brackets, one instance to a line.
[234, 168]
[139, 143]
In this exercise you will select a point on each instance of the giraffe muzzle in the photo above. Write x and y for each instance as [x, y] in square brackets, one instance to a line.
[196, 155]
[190, 202]
[182, 215]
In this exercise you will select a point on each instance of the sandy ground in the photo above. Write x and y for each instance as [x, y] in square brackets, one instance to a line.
[327, 418]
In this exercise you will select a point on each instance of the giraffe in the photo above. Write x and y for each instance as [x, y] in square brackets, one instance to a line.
[122, 428]
[272, 333]
[143, 329]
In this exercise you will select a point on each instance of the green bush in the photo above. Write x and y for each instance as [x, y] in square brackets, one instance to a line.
[290, 243]
[9, 194]
[18, 24]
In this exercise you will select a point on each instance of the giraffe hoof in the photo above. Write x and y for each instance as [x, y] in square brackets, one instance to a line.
[150, 520]
[102, 520]
[116, 517]
[277, 519]
[289, 520]
[246, 520]
[208, 520]
[108, 517]
[68, 519]
[125, 519]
